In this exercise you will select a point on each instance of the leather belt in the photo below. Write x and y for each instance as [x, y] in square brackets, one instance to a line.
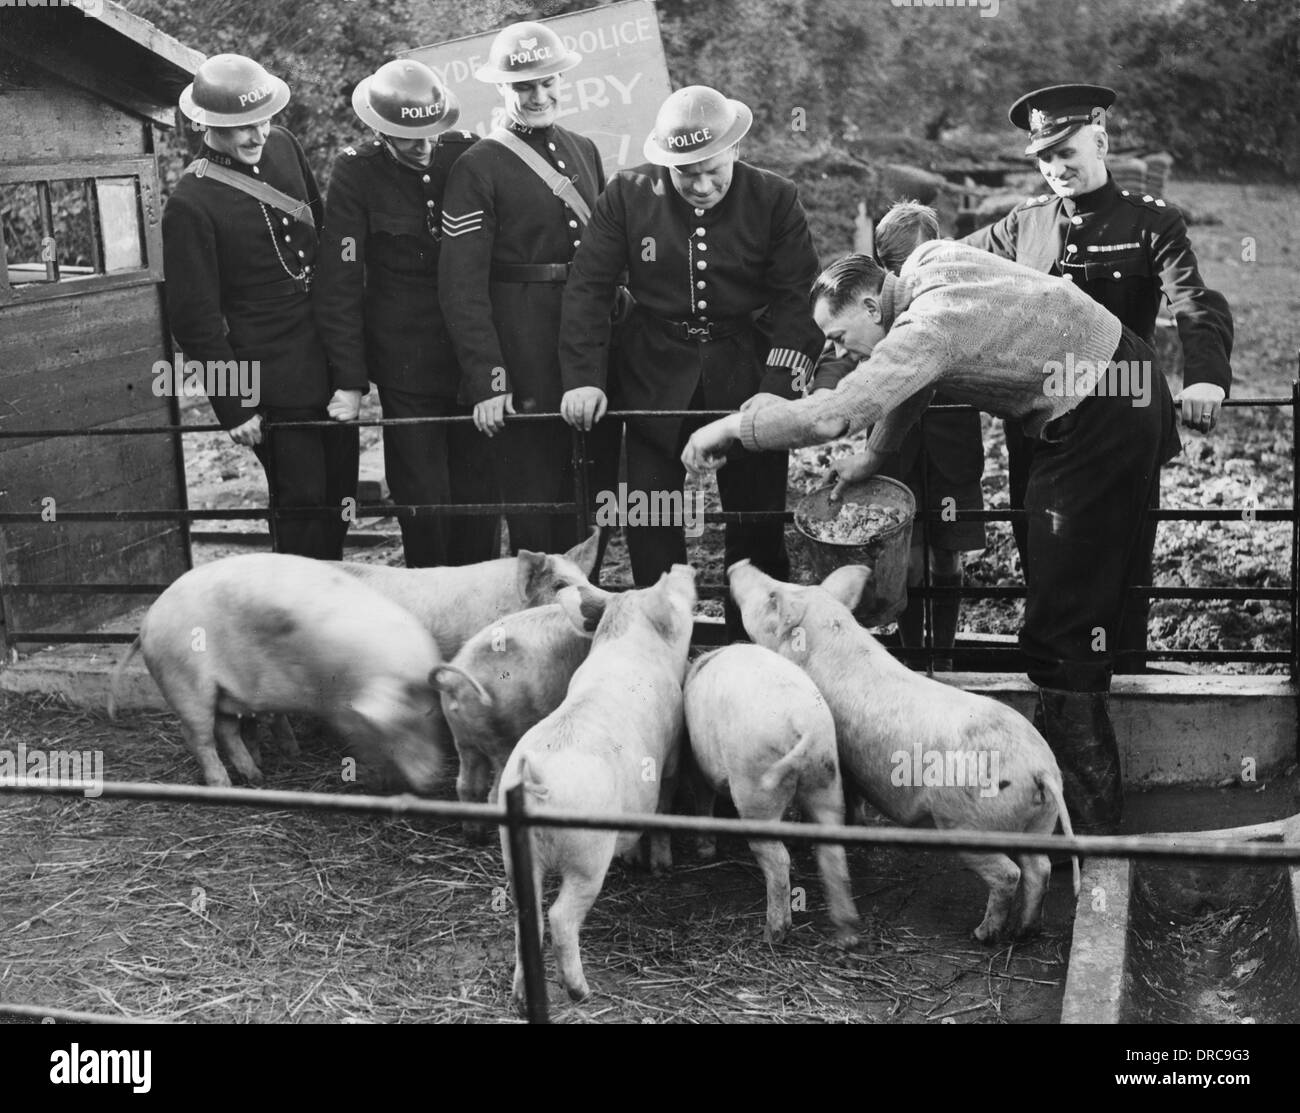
[530, 272]
[281, 289]
[701, 332]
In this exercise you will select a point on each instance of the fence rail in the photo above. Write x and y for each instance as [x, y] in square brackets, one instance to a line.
[581, 508]
[517, 818]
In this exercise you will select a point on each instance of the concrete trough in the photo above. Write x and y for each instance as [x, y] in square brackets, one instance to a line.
[1188, 942]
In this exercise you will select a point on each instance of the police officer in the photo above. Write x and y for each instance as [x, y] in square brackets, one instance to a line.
[1123, 249]
[720, 262]
[508, 240]
[377, 304]
[239, 248]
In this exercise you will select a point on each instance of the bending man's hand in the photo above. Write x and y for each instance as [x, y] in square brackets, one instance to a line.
[854, 469]
[707, 448]
[1200, 405]
[583, 406]
[490, 416]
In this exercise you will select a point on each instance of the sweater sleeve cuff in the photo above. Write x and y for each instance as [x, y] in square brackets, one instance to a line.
[748, 439]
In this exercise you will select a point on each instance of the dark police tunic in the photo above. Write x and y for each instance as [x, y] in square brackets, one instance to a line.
[722, 314]
[507, 240]
[230, 265]
[377, 309]
[1122, 249]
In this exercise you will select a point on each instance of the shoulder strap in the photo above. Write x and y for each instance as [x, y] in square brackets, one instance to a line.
[260, 191]
[558, 184]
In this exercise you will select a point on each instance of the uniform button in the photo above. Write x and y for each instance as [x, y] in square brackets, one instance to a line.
[701, 305]
[1147, 197]
[560, 163]
[424, 178]
[701, 265]
[1068, 277]
[257, 169]
[699, 231]
[576, 243]
[702, 246]
[286, 239]
[573, 224]
[1114, 274]
[699, 212]
[1123, 192]
[285, 222]
[701, 284]
[302, 255]
[550, 146]
[432, 204]
[1076, 220]
[1071, 248]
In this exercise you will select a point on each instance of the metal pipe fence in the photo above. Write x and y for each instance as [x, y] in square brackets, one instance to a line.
[517, 819]
[580, 508]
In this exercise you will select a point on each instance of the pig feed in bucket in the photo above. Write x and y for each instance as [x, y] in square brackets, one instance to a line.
[870, 524]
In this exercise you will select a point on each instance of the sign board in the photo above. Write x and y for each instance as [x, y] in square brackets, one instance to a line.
[611, 96]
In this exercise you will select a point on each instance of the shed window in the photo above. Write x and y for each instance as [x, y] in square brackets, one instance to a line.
[89, 227]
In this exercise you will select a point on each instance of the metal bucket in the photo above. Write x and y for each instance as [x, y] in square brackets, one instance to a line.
[885, 554]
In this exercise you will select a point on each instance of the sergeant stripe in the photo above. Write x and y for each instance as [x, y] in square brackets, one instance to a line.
[459, 225]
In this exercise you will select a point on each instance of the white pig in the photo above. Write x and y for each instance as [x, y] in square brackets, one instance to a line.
[611, 746]
[759, 729]
[507, 678]
[915, 748]
[455, 602]
[269, 632]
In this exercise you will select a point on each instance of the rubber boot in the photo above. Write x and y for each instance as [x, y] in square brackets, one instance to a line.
[947, 609]
[1077, 726]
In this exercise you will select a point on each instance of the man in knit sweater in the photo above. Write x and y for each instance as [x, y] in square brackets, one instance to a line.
[1020, 345]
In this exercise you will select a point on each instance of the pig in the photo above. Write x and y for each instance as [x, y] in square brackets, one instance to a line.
[611, 746]
[887, 717]
[455, 602]
[507, 678]
[759, 729]
[269, 632]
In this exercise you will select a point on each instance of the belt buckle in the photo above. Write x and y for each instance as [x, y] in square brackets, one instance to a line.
[699, 332]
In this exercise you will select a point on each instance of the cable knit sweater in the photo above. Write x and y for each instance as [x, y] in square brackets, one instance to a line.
[996, 334]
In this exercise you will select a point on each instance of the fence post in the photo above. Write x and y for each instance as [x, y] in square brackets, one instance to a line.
[526, 897]
[272, 526]
[1295, 538]
[580, 485]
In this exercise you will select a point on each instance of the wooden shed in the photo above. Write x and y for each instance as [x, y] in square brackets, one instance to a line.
[82, 322]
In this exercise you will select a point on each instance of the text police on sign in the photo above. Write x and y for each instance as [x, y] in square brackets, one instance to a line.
[618, 86]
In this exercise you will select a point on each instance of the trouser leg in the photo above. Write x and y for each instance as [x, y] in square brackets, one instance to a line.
[1020, 458]
[653, 465]
[309, 468]
[754, 481]
[471, 538]
[415, 465]
[533, 463]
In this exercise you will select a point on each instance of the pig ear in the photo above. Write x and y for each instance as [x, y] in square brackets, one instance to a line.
[530, 569]
[584, 606]
[584, 555]
[681, 582]
[848, 583]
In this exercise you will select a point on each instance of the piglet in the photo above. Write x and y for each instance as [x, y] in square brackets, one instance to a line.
[759, 729]
[611, 746]
[269, 632]
[916, 749]
[507, 678]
